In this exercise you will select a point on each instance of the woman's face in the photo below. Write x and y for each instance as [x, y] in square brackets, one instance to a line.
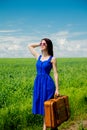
[43, 45]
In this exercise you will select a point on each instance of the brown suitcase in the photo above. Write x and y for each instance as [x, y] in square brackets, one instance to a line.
[56, 111]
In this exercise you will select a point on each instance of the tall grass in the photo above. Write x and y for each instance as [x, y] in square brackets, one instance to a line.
[16, 87]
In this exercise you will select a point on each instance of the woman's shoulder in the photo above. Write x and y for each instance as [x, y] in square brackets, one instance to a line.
[53, 59]
[39, 56]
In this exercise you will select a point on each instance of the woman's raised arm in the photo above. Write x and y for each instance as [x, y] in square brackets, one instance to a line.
[32, 49]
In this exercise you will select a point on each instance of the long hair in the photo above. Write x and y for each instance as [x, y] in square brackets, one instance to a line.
[49, 46]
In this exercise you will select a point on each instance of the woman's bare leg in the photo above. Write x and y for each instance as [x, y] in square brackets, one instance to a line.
[44, 125]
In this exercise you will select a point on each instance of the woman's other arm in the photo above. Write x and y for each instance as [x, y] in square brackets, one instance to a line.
[54, 63]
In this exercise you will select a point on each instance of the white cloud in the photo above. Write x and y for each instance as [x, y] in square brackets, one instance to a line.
[64, 46]
[13, 46]
[61, 34]
[62, 41]
[69, 47]
[77, 34]
[8, 31]
[67, 34]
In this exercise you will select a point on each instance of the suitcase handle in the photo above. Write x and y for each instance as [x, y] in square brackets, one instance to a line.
[55, 96]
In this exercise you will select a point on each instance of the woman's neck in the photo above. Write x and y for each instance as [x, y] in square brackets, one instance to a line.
[45, 54]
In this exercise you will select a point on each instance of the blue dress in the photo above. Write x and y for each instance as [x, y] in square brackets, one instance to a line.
[44, 87]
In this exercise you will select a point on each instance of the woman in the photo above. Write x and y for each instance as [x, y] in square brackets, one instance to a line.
[44, 86]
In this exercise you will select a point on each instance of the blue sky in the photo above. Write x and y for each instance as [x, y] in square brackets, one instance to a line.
[23, 22]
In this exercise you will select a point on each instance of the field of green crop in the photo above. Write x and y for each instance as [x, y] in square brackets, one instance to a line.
[16, 86]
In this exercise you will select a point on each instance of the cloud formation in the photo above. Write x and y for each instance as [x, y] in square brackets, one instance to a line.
[65, 44]
[68, 46]
[7, 31]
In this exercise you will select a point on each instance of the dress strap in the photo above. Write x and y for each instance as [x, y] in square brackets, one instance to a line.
[50, 58]
[39, 57]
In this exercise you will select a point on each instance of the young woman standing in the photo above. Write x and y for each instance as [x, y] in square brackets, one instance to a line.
[44, 86]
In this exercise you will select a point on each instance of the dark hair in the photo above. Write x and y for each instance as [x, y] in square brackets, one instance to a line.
[49, 46]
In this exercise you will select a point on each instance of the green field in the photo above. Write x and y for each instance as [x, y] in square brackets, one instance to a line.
[16, 86]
